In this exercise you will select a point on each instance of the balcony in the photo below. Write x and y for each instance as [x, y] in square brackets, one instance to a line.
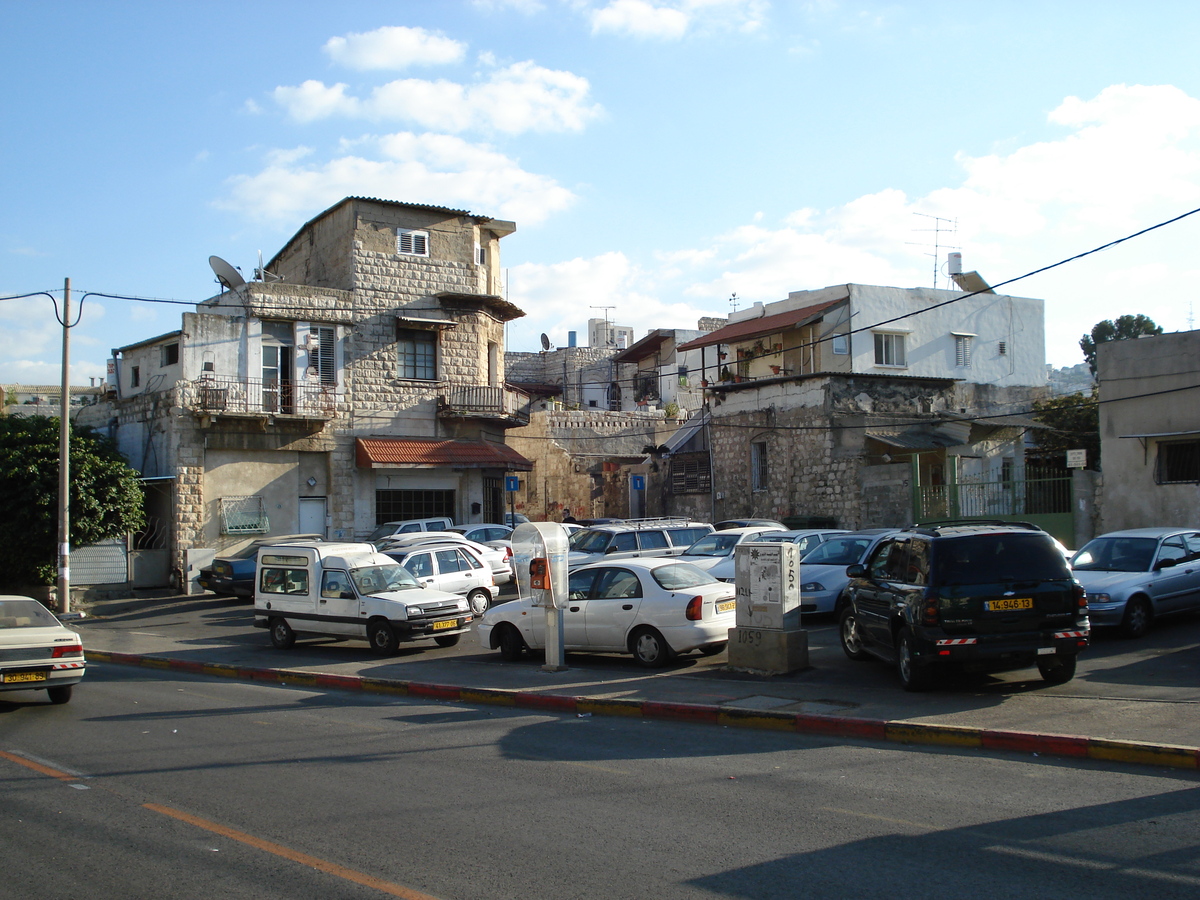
[222, 395]
[506, 406]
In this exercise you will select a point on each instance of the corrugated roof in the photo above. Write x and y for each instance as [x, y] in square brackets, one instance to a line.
[764, 325]
[437, 452]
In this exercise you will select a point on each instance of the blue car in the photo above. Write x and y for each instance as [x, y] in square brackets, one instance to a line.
[232, 573]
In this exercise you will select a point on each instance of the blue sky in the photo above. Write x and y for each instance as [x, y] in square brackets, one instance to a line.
[658, 156]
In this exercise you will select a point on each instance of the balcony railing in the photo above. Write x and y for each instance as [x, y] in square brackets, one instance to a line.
[487, 403]
[217, 394]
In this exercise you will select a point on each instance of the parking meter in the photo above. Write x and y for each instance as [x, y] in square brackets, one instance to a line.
[540, 568]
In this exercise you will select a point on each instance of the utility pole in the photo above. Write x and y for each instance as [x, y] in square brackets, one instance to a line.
[64, 461]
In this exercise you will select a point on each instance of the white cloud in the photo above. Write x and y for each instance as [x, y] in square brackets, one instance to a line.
[646, 20]
[514, 99]
[437, 169]
[394, 47]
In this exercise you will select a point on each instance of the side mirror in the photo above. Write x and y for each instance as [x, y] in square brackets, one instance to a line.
[858, 570]
[1164, 564]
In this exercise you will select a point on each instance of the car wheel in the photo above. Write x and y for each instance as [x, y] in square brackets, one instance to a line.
[60, 693]
[713, 649]
[1056, 669]
[447, 640]
[381, 637]
[480, 601]
[282, 635]
[1136, 621]
[650, 648]
[512, 645]
[852, 644]
[912, 676]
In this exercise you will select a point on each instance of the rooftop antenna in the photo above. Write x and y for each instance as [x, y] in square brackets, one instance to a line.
[608, 337]
[940, 225]
[733, 301]
[230, 278]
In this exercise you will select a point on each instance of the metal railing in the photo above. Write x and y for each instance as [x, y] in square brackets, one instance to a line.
[487, 402]
[216, 394]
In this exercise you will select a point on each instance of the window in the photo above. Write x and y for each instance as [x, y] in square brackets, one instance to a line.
[170, 355]
[244, 515]
[135, 376]
[758, 466]
[322, 340]
[690, 474]
[889, 349]
[962, 351]
[480, 255]
[1178, 462]
[841, 344]
[399, 506]
[417, 351]
[412, 243]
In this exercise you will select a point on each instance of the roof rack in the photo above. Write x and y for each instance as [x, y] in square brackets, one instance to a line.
[935, 524]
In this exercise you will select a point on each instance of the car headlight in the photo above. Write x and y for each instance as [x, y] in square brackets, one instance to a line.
[414, 611]
[812, 587]
[1099, 598]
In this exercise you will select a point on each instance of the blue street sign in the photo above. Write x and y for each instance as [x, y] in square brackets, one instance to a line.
[639, 482]
[512, 483]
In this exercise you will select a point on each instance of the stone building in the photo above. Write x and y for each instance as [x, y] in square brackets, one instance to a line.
[361, 381]
[862, 404]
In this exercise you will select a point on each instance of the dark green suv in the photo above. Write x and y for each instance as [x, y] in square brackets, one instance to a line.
[974, 596]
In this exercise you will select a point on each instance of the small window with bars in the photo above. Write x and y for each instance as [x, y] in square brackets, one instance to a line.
[691, 474]
[412, 243]
[1178, 462]
[244, 515]
[758, 466]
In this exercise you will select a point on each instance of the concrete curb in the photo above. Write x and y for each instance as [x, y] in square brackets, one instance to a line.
[960, 736]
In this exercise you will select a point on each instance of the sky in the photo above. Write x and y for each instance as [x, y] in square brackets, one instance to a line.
[663, 160]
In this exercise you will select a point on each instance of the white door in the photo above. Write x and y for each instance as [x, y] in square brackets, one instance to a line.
[312, 516]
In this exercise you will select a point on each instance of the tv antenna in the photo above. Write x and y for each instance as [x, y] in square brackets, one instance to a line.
[608, 335]
[230, 278]
[940, 226]
[733, 301]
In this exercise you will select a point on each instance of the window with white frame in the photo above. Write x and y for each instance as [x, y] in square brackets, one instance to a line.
[412, 243]
[480, 255]
[758, 466]
[841, 344]
[962, 351]
[889, 349]
[416, 351]
[244, 515]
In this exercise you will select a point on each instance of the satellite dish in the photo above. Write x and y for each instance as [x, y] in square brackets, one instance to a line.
[545, 341]
[229, 277]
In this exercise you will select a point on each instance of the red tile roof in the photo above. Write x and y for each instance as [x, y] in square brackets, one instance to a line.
[437, 452]
[764, 325]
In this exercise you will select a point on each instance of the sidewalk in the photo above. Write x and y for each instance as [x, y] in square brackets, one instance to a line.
[1126, 704]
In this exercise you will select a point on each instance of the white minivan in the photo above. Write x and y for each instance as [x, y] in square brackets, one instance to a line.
[350, 591]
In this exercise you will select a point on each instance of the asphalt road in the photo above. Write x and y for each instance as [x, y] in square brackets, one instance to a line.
[161, 784]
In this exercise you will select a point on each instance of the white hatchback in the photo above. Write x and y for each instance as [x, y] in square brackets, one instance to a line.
[498, 558]
[453, 568]
[653, 608]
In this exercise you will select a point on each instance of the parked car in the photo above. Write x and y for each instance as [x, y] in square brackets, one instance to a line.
[232, 573]
[514, 519]
[38, 652]
[1132, 577]
[498, 559]
[748, 523]
[965, 597]
[485, 533]
[347, 590]
[652, 608]
[806, 540]
[453, 568]
[718, 546]
[409, 526]
[823, 577]
[634, 538]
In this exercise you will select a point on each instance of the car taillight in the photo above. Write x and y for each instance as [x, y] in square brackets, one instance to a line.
[929, 608]
[507, 553]
[695, 609]
[1080, 595]
[66, 650]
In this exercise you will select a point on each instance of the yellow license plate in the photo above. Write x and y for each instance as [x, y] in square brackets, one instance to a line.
[442, 626]
[14, 677]
[726, 606]
[1008, 604]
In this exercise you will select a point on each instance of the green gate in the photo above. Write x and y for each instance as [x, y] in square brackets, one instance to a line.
[1040, 496]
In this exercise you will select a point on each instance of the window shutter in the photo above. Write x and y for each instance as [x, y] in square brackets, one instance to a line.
[412, 243]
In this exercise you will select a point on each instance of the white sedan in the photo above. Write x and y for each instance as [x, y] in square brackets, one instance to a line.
[653, 608]
[498, 558]
[37, 652]
[718, 546]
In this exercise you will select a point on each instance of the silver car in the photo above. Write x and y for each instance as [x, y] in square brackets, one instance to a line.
[1132, 577]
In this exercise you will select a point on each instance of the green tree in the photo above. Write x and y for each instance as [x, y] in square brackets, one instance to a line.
[1072, 423]
[1121, 329]
[106, 495]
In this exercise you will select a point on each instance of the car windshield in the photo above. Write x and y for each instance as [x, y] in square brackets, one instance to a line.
[990, 558]
[25, 614]
[592, 541]
[837, 552]
[715, 544]
[375, 579]
[680, 576]
[1115, 554]
[381, 532]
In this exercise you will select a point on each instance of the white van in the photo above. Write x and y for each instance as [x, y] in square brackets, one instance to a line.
[350, 591]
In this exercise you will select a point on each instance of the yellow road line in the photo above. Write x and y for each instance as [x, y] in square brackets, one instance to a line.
[38, 767]
[303, 859]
